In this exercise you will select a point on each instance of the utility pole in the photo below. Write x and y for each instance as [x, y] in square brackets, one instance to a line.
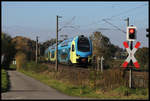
[39, 52]
[131, 47]
[36, 49]
[127, 21]
[56, 68]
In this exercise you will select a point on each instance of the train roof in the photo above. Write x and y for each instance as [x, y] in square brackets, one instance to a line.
[65, 43]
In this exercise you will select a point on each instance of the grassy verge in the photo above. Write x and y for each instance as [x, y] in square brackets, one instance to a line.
[12, 67]
[5, 81]
[85, 91]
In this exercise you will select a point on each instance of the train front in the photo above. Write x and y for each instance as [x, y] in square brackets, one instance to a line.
[83, 50]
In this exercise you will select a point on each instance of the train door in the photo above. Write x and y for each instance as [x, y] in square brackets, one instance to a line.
[73, 53]
[53, 56]
[49, 56]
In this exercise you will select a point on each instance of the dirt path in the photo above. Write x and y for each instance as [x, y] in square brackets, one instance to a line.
[25, 87]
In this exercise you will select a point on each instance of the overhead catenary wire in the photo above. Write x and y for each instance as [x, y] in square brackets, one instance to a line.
[127, 11]
[124, 12]
[114, 26]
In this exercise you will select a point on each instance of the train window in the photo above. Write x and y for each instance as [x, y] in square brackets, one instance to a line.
[83, 44]
[64, 44]
[52, 54]
[73, 48]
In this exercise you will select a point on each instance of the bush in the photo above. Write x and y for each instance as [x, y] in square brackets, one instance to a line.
[36, 67]
[12, 66]
[5, 80]
[20, 59]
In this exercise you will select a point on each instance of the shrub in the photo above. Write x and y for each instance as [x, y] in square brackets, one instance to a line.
[20, 59]
[12, 66]
[33, 66]
[5, 80]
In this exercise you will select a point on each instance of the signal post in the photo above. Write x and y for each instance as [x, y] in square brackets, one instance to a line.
[56, 67]
[131, 36]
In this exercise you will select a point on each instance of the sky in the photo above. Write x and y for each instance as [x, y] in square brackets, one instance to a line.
[31, 19]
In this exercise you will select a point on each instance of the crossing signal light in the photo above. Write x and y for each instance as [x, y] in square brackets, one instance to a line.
[131, 33]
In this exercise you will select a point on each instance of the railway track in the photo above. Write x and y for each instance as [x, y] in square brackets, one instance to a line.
[67, 67]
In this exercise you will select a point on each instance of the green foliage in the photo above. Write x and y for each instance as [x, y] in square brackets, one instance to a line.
[12, 66]
[4, 80]
[128, 91]
[33, 66]
[6, 39]
[7, 49]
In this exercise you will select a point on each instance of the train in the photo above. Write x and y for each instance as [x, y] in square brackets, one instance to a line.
[76, 50]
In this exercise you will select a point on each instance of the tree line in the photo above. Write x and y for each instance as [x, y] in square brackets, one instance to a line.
[23, 49]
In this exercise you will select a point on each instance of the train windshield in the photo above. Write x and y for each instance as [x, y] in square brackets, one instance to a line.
[83, 44]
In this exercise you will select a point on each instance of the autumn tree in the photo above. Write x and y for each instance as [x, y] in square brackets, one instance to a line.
[103, 47]
[7, 49]
[26, 46]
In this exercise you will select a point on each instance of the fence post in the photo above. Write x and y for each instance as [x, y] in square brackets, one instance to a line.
[102, 64]
[98, 62]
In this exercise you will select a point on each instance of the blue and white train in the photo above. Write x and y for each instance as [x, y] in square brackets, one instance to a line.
[77, 50]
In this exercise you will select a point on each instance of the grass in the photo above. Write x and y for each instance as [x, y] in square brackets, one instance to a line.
[12, 66]
[85, 91]
[5, 80]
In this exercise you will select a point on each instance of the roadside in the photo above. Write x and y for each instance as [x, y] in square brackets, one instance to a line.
[4, 81]
[85, 91]
[72, 83]
[24, 87]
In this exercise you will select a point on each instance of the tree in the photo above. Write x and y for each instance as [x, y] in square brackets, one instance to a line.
[8, 49]
[142, 56]
[103, 47]
[26, 46]
[46, 44]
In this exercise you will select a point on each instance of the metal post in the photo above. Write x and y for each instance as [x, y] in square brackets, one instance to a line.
[56, 68]
[130, 74]
[131, 46]
[36, 48]
[39, 52]
[127, 21]
[57, 30]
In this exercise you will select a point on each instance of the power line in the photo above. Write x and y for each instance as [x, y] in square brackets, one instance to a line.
[69, 22]
[127, 11]
[114, 26]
